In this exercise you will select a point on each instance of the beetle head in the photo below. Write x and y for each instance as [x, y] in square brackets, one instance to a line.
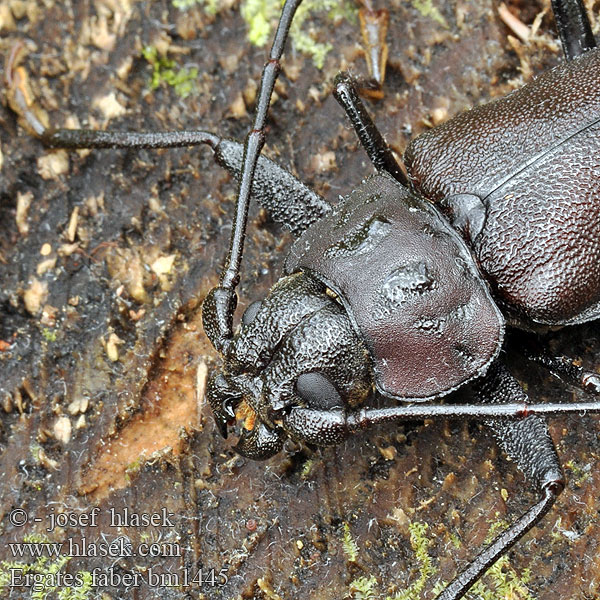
[295, 349]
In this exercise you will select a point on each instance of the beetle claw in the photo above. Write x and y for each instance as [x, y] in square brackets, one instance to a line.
[259, 443]
[221, 423]
[223, 409]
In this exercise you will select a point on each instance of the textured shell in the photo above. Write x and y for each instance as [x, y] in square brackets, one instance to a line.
[410, 287]
[533, 158]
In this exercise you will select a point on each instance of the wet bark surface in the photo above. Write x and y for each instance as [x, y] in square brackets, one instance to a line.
[105, 257]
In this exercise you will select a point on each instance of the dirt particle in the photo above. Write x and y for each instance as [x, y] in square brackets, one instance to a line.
[35, 295]
[45, 265]
[23, 204]
[112, 347]
[109, 106]
[72, 228]
[62, 430]
[53, 165]
[323, 162]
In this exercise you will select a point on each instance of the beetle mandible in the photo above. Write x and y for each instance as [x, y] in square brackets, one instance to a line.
[496, 223]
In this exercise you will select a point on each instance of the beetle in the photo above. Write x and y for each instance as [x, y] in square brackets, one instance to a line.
[316, 392]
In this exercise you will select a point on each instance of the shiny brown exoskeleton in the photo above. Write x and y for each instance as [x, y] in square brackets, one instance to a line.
[406, 288]
[519, 178]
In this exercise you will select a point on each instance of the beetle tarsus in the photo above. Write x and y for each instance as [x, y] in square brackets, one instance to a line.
[563, 367]
[503, 542]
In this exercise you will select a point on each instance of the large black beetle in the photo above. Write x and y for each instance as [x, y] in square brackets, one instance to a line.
[405, 289]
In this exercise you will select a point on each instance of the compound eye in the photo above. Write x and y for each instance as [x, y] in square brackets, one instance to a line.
[251, 312]
[317, 391]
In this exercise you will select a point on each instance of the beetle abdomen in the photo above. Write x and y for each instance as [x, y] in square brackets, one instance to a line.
[540, 246]
[410, 287]
[533, 158]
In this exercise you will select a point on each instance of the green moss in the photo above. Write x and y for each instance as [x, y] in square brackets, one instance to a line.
[82, 592]
[133, 468]
[579, 475]
[306, 469]
[210, 6]
[427, 9]
[35, 449]
[49, 334]
[363, 588]
[349, 545]
[420, 544]
[262, 15]
[165, 71]
[45, 571]
[496, 526]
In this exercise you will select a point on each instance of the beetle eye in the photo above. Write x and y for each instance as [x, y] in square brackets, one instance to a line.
[250, 313]
[317, 391]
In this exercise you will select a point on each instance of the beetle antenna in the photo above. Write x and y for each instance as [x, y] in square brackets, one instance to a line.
[221, 301]
[253, 145]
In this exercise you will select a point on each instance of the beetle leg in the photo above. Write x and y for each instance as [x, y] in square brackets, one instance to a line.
[573, 27]
[286, 198]
[528, 443]
[563, 367]
[371, 139]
